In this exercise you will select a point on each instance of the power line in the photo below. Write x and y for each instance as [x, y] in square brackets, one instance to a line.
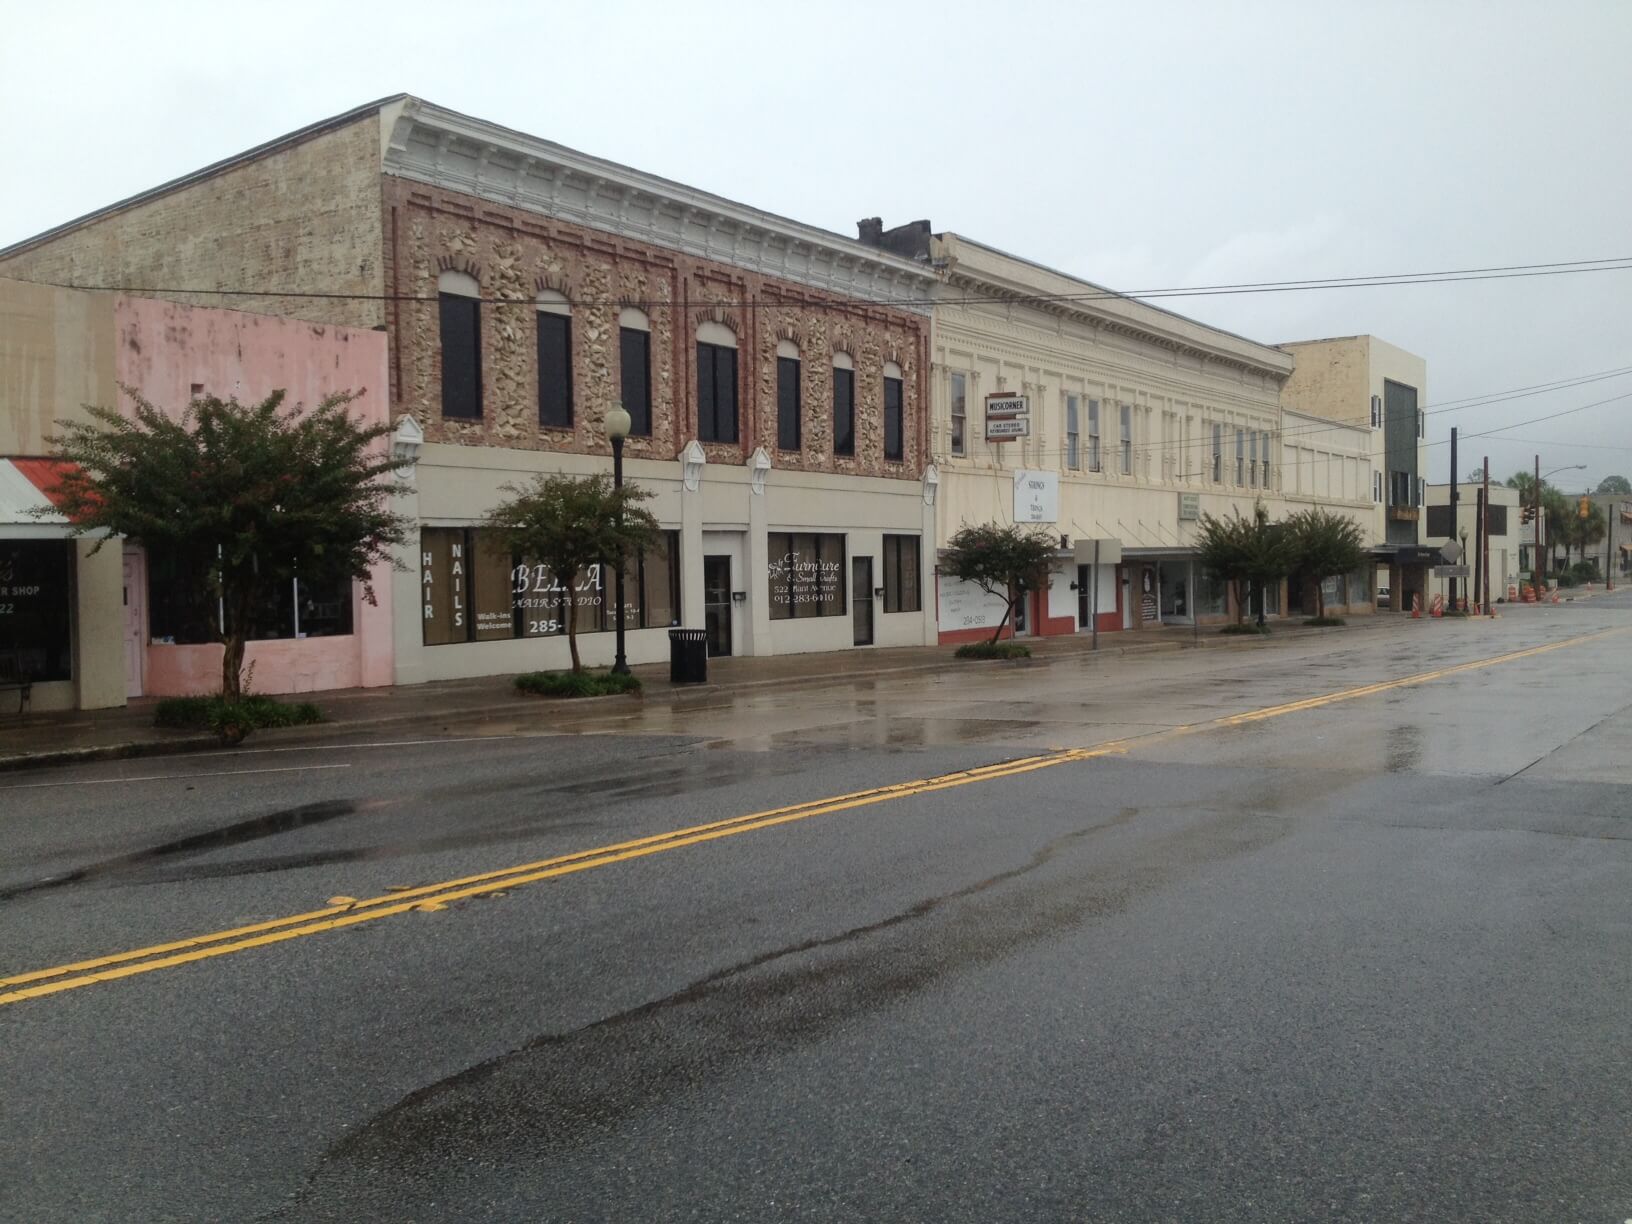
[1621, 263]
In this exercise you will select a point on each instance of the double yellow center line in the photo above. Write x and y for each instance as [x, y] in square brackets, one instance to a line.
[348, 913]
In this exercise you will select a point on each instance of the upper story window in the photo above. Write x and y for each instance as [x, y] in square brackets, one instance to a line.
[1073, 451]
[635, 369]
[1376, 412]
[1252, 471]
[1218, 454]
[960, 414]
[458, 299]
[788, 398]
[716, 383]
[554, 360]
[844, 404]
[1240, 456]
[1093, 436]
[895, 443]
[1269, 468]
[1127, 439]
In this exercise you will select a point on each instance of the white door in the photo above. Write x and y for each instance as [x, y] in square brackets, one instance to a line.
[135, 609]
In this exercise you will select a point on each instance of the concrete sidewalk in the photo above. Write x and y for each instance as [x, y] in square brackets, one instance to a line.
[60, 738]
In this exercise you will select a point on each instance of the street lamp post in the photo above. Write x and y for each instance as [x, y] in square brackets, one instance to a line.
[617, 429]
[1464, 559]
[1540, 568]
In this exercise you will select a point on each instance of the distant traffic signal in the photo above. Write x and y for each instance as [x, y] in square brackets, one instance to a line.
[1527, 514]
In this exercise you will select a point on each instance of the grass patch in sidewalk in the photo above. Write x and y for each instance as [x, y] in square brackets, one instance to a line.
[1247, 630]
[1322, 622]
[576, 684]
[217, 713]
[993, 650]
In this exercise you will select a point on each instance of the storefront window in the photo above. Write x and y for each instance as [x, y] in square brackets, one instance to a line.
[806, 575]
[901, 586]
[184, 609]
[474, 590]
[1175, 590]
[34, 611]
[1209, 593]
[1360, 586]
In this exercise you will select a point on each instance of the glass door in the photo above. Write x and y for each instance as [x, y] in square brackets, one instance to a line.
[861, 599]
[717, 604]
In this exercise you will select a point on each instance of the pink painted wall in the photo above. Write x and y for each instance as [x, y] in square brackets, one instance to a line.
[163, 351]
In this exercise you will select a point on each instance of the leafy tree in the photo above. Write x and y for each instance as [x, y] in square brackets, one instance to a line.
[1002, 561]
[1558, 511]
[1324, 544]
[250, 495]
[568, 524]
[1575, 532]
[1476, 476]
[1614, 484]
[1244, 552]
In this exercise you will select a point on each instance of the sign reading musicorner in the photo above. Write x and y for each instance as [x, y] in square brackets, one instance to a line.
[1007, 416]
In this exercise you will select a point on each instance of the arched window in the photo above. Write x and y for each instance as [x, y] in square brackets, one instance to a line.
[635, 369]
[788, 398]
[554, 360]
[894, 432]
[844, 404]
[716, 383]
[458, 299]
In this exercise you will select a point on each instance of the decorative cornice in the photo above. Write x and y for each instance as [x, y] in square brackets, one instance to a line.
[971, 270]
[443, 148]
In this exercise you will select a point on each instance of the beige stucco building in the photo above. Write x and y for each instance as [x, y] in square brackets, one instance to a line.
[1135, 421]
[1367, 383]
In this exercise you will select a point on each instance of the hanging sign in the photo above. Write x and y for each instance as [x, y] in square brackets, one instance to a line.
[1007, 416]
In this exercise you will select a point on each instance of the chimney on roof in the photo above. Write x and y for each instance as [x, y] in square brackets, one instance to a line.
[910, 241]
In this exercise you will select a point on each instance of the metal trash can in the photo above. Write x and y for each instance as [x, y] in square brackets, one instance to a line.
[688, 656]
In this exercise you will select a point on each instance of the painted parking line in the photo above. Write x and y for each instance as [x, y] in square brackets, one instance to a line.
[75, 975]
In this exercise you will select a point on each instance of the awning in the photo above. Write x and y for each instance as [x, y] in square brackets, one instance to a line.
[27, 485]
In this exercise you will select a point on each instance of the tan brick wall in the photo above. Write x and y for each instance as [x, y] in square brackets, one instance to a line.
[1331, 378]
[514, 254]
[305, 217]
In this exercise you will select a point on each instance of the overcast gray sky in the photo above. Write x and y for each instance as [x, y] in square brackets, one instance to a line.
[1138, 145]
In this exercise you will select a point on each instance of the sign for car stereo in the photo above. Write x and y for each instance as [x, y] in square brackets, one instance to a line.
[1007, 416]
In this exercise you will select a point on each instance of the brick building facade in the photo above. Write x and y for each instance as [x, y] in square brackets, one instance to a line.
[397, 213]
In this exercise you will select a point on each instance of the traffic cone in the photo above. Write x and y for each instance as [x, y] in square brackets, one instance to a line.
[1416, 607]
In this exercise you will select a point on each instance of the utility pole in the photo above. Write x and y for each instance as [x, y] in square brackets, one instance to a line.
[1454, 496]
[1478, 545]
[1484, 522]
[1609, 547]
[1535, 561]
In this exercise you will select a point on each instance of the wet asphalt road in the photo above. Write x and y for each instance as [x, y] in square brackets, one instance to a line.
[1365, 960]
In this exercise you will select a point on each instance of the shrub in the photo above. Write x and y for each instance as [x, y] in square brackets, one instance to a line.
[993, 650]
[576, 684]
[217, 713]
[1246, 629]
[1321, 622]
